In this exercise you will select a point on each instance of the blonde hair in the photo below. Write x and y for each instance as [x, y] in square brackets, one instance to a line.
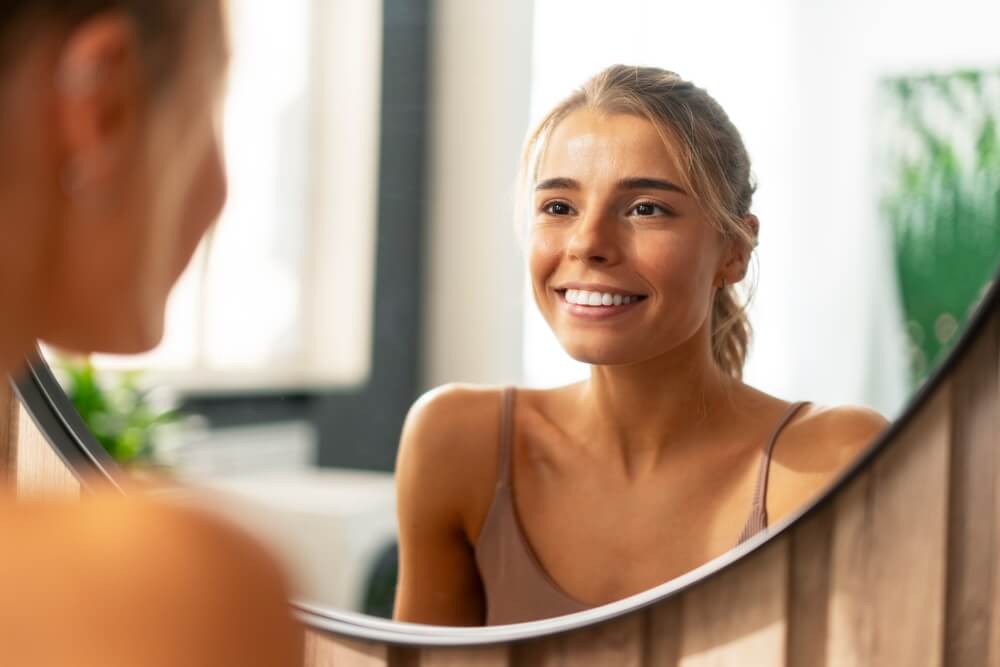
[710, 155]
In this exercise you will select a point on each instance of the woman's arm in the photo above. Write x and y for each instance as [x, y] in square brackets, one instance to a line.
[444, 463]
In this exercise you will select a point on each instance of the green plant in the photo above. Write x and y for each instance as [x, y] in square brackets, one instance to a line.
[942, 201]
[118, 413]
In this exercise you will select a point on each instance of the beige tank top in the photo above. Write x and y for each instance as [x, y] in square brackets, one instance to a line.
[517, 587]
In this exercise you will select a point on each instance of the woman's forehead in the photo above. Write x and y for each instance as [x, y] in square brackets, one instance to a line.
[591, 146]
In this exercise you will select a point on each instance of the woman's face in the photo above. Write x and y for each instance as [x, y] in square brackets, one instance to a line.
[623, 261]
[132, 225]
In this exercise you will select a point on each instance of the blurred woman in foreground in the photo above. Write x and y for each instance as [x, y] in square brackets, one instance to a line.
[112, 175]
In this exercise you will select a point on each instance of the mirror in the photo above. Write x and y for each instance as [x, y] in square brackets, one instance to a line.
[367, 252]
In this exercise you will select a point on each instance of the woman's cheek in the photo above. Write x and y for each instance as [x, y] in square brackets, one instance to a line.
[543, 254]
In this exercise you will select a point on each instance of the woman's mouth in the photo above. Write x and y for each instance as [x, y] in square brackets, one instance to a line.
[597, 305]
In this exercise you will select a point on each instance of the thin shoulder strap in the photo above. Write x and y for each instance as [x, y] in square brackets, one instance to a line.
[506, 437]
[758, 511]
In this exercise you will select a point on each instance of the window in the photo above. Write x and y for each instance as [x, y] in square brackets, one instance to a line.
[293, 251]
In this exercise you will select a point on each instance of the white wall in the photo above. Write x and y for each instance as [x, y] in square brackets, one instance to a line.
[842, 324]
[479, 115]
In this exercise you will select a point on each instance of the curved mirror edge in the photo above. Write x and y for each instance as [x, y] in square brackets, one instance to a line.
[52, 412]
[50, 408]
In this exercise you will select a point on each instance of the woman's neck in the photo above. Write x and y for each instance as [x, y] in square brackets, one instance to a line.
[21, 273]
[644, 408]
[16, 339]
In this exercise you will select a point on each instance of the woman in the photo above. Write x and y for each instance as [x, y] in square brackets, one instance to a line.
[515, 506]
[111, 176]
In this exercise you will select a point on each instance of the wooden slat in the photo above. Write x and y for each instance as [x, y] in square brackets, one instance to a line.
[477, 656]
[889, 548]
[662, 633]
[38, 469]
[991, 431]
[323, 650]
[738, 617]
[8, 430]
[973, 514]
[809, 589]
[850, 626]
[618, 642]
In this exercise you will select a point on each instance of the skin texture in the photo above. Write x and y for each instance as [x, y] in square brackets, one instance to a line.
[653, 460]
[110, 181]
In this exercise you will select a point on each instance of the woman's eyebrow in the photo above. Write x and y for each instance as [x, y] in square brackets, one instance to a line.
[557, 184]
[641, 183]
[649, 184]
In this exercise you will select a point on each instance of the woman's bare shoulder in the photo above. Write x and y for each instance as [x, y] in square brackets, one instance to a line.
[464, 419]
[846, 429]
[816, 446]
[456, 409]
[449, 446]
[824, 439]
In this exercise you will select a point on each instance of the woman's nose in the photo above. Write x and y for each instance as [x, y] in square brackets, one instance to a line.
[594, 241]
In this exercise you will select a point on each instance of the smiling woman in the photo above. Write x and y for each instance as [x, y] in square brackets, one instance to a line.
[663, 459]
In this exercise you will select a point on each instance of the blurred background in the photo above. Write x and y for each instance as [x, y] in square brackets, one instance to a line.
[368, 252]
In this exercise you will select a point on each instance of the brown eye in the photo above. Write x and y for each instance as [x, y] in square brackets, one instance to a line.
[557, 208]
[647, 209]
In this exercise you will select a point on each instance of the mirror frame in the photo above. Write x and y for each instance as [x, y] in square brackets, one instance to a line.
[52, 411]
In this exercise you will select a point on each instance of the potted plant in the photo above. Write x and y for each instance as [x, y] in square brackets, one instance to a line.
[119, 413]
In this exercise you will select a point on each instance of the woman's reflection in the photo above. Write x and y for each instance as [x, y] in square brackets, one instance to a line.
[527, 504]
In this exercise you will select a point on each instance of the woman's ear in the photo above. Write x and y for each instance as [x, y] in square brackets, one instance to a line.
[99, 100]
[753, 226]
[737, 260]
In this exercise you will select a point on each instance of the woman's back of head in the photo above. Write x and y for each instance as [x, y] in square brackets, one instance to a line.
[114, 170]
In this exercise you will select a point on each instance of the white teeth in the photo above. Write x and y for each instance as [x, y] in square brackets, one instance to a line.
[594, 299]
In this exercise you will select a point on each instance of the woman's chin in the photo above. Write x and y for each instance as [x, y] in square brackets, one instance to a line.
[599, 357]
[120, 336]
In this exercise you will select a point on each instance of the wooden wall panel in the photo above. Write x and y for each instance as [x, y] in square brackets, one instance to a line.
[973, 513]
[9, 410]
[37, 468]
[27, 462]
[986, 415]
[809, 589]
[662, 633]
[887, 571]
[740, 616]
[322, 650]
[618, 642]
[479, 656]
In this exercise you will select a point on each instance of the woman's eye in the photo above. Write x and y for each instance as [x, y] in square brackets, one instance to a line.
[557, 208]
[648, 208]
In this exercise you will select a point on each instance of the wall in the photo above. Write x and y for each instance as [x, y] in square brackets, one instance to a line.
[479, 115]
